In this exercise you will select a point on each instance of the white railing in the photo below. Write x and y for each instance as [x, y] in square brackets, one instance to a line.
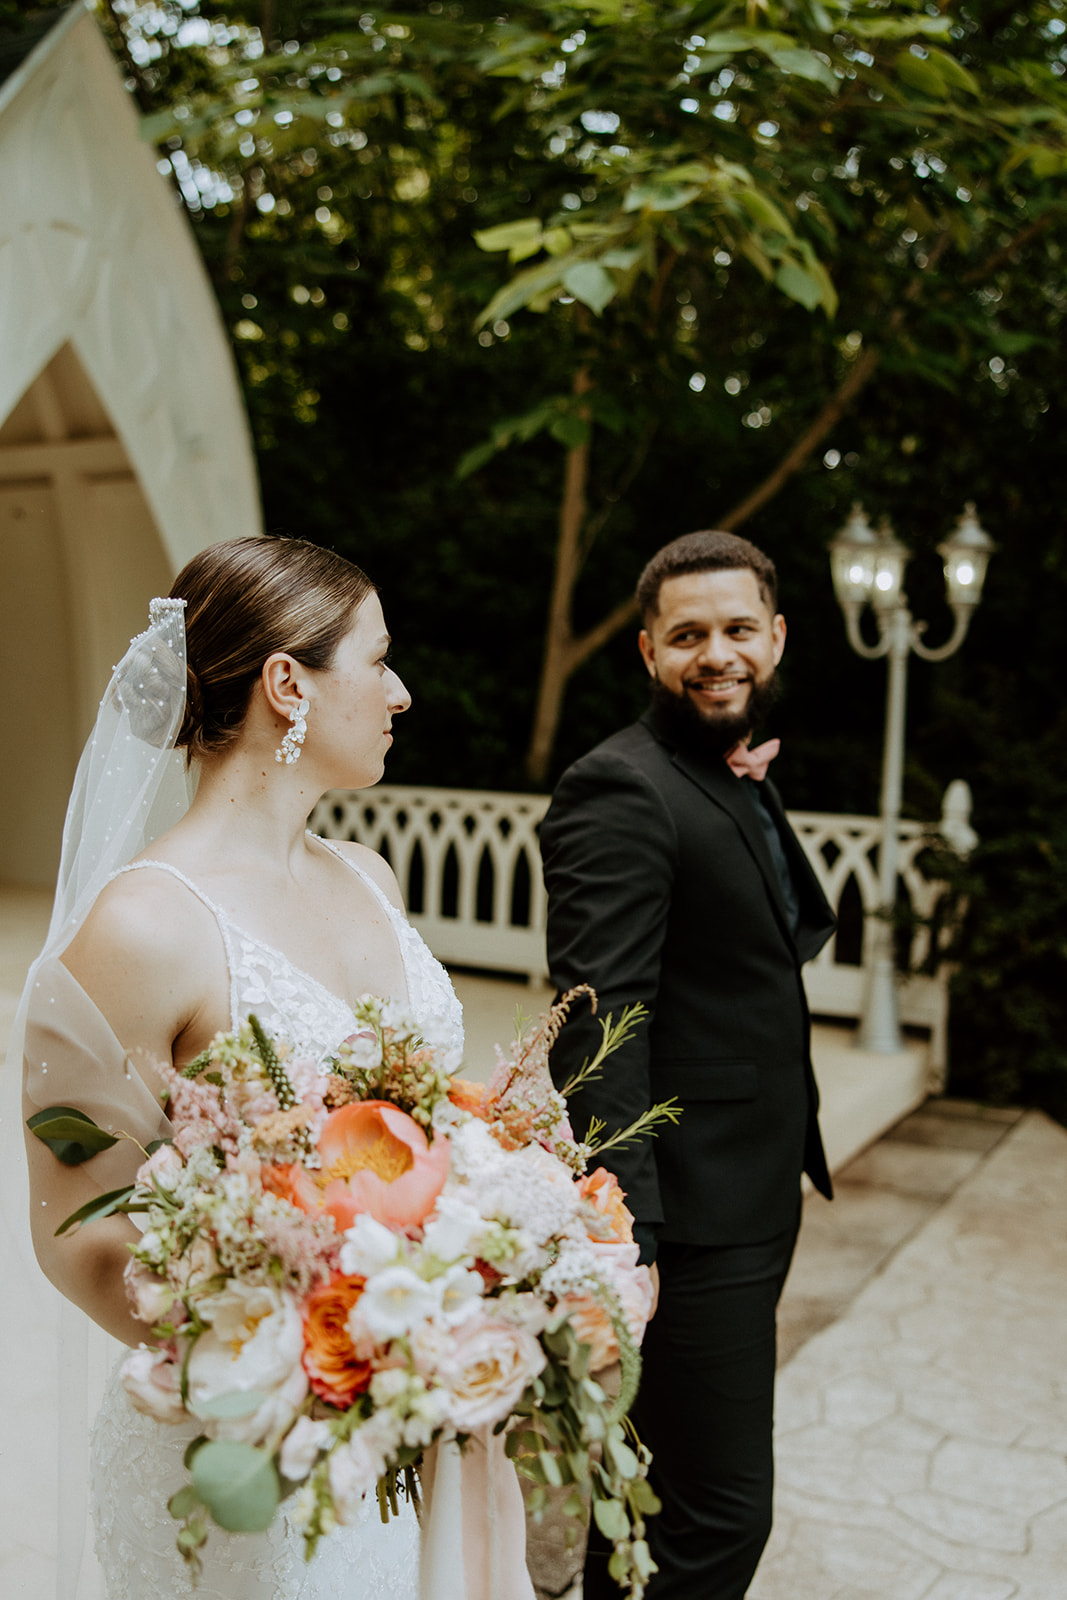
[470, 869]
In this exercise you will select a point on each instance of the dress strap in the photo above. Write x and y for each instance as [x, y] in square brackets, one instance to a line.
[217, 912]
[364, 877]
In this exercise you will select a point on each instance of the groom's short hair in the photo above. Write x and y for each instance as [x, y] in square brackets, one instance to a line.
[710, 550]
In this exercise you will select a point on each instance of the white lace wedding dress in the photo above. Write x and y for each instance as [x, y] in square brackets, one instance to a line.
[137, 1463]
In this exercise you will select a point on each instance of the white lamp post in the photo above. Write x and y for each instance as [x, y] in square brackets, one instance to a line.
[868, 569]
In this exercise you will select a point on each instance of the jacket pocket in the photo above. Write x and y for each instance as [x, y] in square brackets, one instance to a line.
[704, 1078]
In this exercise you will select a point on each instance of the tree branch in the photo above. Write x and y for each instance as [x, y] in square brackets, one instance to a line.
[1001, 257]
[813, 435]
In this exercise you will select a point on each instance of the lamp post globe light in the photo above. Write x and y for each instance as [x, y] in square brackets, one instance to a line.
[868, 569]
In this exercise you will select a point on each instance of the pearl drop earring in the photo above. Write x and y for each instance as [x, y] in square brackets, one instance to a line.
[289, 750]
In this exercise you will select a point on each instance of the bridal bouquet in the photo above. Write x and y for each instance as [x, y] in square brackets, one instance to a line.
[346, 1262]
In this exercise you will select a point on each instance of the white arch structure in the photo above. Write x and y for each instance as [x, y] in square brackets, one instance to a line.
[124, 446]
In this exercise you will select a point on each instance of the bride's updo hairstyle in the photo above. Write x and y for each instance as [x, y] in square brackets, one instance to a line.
[244, 600]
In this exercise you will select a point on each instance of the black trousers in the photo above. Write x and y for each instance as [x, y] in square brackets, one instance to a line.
[706, 1411]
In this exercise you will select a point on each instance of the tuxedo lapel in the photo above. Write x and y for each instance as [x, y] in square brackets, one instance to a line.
[817, 920]
[719, 784]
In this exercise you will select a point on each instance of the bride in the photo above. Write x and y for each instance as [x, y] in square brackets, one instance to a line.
[268, 667]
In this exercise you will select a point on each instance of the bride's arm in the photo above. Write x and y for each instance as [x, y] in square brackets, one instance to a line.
[146, 973]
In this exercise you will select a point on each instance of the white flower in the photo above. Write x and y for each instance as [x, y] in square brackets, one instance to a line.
[486, 1369]
[153, 1382]
[392, 1303]
[396, 1018]
[526, 1310]
[256, 1342]
[354, 1469]
[364, 1050]
[460, 1294]
[454, 1229]
[301, 1447]
[429, 1412]
[369, 1246]
[388, 1385]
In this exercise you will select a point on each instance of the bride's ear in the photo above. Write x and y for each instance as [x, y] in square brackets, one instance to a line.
[283, 682]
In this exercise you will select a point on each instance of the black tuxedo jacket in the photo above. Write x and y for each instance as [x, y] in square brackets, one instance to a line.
[662, 889]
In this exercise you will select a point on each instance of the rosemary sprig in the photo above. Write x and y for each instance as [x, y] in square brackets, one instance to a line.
[613, 1036]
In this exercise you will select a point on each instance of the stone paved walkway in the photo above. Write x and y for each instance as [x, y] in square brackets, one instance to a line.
[922, 1434]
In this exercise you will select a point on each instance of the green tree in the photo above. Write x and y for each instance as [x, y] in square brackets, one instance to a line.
[345, 256]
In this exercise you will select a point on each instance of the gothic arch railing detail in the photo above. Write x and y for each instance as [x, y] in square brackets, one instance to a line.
[469, 866]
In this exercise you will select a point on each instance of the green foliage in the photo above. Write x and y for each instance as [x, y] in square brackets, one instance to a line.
[364, 183]
[71, 1136]
[237, 1483]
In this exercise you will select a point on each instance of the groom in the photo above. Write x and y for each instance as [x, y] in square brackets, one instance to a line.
[674, 879]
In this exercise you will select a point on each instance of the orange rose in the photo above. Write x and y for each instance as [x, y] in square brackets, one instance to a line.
[613, 1220]
[375, 1158]
[334, 1371]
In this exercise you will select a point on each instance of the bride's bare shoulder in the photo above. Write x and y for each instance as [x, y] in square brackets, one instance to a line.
[148, 922]
[374, 865]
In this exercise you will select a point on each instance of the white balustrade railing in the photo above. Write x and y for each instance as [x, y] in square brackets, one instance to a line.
[470, 870]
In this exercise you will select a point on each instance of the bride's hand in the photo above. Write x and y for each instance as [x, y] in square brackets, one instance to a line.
[654, 1275]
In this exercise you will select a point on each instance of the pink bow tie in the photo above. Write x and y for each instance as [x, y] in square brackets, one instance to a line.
[748, 763]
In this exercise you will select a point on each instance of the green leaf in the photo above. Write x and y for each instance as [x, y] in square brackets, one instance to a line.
[900, 27]
[799, 285]
[763, 211]
[920, 74]
[569, 431]
[235, 1403]
[623, 1460]
[550, 1468]
[659, 197]
[623, 259]
[644, 1497]
[641, 1556]
[476, 458]
[70, 1134]
[523, 288]
[610, 1517]
[238, 1484]
[806, 64]
[955, 75]
[588, 282]
[184, 1503]
[191, 1449]
[105, 1205]
[524, 236]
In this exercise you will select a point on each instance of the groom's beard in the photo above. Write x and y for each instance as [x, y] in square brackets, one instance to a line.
[700, 734]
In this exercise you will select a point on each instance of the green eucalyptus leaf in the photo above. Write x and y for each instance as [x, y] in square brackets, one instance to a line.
[184, 1503]
[610, 1517]
[235, 1403]
[238, 1484]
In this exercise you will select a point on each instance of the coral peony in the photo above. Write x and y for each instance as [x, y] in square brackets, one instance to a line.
[334, 1370]
[613, 1220]
[375, 1159]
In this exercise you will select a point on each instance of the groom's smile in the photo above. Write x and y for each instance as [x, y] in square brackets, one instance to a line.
[713, 642]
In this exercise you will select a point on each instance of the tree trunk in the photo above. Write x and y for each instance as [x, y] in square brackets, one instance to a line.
[558, 663]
